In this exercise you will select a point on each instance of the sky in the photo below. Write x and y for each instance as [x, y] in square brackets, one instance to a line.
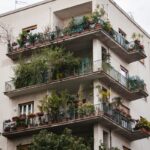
[138, 9]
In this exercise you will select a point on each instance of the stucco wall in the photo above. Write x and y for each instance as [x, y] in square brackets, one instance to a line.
[43, 16]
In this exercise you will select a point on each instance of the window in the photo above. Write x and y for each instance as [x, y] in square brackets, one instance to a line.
[105, 94]
[124, 71]
[29, 29]
[105, 55]
[105, 139]
[26, 108]
[122, 33]
[125, 74]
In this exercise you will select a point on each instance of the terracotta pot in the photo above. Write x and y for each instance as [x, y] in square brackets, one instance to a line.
[97, 26]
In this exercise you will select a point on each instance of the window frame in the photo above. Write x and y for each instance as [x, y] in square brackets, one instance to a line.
[21, 112]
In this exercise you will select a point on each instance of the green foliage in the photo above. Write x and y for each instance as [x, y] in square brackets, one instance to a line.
[143, 123]
[32, 73]
[135, 83]
[51, 104]
[32, 38]
[72, 24]
[136, 36]
[102, 146]
[108, 27]
[86, 109]
[57, 60]
[86, 22]
[55, 102]
[22, 39]
[66, 141]
[62, 62]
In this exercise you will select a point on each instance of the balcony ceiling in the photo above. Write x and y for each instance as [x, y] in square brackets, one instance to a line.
[74, 11]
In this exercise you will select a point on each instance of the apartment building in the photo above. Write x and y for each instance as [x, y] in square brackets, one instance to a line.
[113, 75]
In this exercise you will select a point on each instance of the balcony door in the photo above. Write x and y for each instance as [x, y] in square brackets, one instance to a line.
[124, 75]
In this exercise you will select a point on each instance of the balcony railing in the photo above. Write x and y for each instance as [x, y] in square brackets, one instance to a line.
[65, 116]
[105, 72]
[110, 117]
[130, 51]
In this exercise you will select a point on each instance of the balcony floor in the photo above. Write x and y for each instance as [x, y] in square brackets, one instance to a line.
[127, 56]
[121, 89]
[81, 123]
[76, 80]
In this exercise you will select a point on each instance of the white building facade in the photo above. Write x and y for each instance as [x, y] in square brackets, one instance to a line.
[125, 60]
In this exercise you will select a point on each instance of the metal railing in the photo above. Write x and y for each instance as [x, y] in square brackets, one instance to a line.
[107, 68]
[51, 76]
[86, 68]
[71, 114]
[41, 38]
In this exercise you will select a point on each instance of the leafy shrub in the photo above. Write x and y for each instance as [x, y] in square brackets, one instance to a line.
[66, 141]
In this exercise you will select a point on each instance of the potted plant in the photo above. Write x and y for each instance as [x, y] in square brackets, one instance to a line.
[7, 125]
[137, 40]
[80, 94]
[86, 23]
[31, 118]
[14, 46]
[144, 125]
[66, 33]
[108, 27]
[136, 37]
[81, 111]
[102, 147]
[21, 122]
[135, 83]
[21, 41]
[117, 101]
[32, 38]
[89, 109]
[16, 118]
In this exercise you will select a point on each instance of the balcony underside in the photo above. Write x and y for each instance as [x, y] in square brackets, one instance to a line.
[121, 89]
[24, 52]
[67, 83]
[127, 56]
[72, 124]
[74, 11]
[80, 124]
[130, 135]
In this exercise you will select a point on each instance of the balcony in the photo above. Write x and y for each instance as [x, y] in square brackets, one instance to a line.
[103, 113]
[99, 70]
[128, 51]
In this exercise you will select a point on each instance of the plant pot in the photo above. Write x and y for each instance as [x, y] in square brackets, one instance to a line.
[97, 26]
[76, 103]
[40, 114]
[92, 26]
[31, 116]
[84, 101]
[7, 129]
[15, 118]
[21, 128]
[137, 42]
